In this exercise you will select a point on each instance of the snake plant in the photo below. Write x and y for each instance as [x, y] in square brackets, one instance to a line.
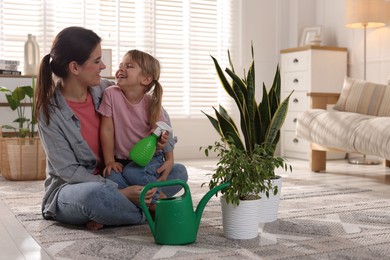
[249, 147]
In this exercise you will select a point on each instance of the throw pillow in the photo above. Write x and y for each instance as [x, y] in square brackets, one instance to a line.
[360, 96]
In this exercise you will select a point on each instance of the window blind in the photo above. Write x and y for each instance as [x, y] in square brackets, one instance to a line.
[181, 34]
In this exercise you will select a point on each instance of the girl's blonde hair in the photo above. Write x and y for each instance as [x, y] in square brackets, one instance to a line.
[150, 66]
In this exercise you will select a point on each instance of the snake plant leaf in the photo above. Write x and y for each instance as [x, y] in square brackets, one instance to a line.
[265, 115]
[274, 93]
[251, 104]
[239, 82]
[277, 122]
[230, 61]
[229, 131]
[223, 79]
[259, 132]
[241, 99]
[214, 123]
[225, 115]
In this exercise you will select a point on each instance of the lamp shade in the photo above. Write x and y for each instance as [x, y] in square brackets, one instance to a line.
[366, 13]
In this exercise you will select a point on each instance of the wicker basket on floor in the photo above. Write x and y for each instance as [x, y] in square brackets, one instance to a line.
[22, 159]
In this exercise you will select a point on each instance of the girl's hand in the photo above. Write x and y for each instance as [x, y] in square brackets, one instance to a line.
[162, 141]
[164, 170]
[112, 166]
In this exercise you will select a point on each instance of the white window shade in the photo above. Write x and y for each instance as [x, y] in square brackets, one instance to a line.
[181, 34]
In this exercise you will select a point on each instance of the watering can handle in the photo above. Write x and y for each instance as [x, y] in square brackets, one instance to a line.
[152, 185]
[162, 184]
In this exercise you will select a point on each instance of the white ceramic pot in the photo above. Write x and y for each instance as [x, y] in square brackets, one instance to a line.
[269, 207]
[242, 221]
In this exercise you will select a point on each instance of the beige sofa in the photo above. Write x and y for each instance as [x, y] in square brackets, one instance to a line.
[358, 123]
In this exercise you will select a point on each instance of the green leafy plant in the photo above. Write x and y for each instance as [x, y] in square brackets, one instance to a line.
[248, 175]
[250, 156]
[18, 99]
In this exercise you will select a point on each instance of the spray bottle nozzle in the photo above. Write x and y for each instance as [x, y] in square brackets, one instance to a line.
[162, 127]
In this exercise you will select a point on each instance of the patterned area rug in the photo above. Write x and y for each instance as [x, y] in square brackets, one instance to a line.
[316, 221]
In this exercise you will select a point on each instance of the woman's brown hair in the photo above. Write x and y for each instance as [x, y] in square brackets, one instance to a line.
[71, 44]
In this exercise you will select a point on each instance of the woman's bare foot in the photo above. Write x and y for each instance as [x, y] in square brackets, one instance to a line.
[92, 225]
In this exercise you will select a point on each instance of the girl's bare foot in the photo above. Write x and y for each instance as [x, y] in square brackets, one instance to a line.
[92, 225]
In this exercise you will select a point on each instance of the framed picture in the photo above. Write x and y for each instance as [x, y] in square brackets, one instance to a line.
[107, 60]
[311, 35]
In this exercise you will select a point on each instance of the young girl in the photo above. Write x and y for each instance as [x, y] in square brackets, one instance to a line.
[130, 111]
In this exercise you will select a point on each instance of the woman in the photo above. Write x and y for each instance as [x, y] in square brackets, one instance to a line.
[68, 124]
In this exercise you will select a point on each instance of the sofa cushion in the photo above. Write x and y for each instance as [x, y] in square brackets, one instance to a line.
[364, 97]
[333, 129]
[374, 138]
[350, 132]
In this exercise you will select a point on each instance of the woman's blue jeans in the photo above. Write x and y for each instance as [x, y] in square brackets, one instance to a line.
[103, 203]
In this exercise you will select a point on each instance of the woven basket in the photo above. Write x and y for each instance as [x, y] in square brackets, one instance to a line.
[22, 159]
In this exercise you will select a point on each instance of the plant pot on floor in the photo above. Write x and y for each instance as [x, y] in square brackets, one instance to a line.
[241, 221]
[22, 159]
[269, 207]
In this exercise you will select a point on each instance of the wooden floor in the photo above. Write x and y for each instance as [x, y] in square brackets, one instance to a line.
[16, 243]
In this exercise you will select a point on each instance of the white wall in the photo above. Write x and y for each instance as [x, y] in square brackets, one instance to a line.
[330, 14]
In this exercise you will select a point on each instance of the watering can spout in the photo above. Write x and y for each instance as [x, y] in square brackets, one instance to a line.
[202, 203]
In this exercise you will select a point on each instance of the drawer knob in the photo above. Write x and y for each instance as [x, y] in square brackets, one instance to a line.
[295, 81]
[296, 140]
[295, 100]
[295, 120]
[295, 60]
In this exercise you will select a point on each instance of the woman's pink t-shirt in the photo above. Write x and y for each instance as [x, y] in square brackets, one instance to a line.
[130, 121]
[89, 126]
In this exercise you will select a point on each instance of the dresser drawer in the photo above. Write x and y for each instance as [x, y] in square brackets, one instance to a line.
[293, 143]
[298, 101]
[291, 121]
[295, 61]
[295, 81]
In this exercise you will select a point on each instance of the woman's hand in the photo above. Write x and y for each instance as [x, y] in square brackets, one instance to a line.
[112, 166]
[132, 193]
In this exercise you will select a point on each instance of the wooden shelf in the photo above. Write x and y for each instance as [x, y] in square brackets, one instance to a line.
[314, 47]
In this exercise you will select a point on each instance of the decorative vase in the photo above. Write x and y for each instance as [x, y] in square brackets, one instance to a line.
[269, 206]
[31, 55]
[241, 221]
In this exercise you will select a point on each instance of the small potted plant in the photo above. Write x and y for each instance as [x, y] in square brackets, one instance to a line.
[247, 161]
[22, 155]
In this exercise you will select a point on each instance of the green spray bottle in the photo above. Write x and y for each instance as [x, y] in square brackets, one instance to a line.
[143, 151]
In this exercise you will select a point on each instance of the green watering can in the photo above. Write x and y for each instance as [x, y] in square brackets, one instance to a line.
[175, 222]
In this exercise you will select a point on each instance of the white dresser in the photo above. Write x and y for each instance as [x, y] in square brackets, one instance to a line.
[308, 69]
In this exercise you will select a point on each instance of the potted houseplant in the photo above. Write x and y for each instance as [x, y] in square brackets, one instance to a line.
[22, 155]
[247, 153]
